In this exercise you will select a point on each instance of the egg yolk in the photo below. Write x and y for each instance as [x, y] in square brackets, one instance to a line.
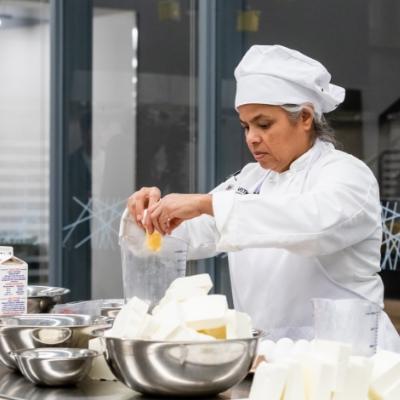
[154, 241]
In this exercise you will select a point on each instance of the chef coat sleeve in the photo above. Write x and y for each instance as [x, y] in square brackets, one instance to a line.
[341, 208]
[201, 233]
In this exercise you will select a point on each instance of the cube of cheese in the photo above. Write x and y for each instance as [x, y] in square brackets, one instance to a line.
[357, 379]
[269, 382]
[385, 384]
[205, 312]
[100, 369]
[129, 321]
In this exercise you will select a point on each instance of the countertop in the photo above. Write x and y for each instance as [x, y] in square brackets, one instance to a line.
[15, 387]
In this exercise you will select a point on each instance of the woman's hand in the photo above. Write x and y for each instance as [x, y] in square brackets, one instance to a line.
[173, 209]
[141, 200]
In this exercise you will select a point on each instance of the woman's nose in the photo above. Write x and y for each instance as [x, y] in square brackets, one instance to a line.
[252, 136]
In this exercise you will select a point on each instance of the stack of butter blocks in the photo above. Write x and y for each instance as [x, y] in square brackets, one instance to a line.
[325, 370]
[186, 313]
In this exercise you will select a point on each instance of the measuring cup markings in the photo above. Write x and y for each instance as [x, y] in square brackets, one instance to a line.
[353, 321]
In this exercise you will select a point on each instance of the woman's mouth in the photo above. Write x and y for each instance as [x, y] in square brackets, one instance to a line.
[259, 155]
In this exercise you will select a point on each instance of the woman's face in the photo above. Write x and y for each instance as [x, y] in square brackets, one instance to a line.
[273, 139]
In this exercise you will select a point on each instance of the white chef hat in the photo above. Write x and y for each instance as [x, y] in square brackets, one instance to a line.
[277, 75]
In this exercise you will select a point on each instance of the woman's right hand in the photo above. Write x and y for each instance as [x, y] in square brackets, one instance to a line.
[141, 200]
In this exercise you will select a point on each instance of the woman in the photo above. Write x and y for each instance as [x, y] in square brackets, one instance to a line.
[302, 222]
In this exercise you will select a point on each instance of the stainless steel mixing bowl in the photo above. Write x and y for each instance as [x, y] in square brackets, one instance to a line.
[180, 368]
[111, 308]
[41, 299]
[54, 366]
[45, 330]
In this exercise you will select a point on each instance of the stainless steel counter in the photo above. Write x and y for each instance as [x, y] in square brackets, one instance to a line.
[14, 387]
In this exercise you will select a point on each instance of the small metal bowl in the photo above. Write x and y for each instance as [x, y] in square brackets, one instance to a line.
[180, 368]
[111, 308]
[41, 299]
[54, 366]
[44, 330]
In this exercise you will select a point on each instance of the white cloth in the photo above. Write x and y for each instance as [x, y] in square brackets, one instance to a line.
[312, 231]
[278, 75]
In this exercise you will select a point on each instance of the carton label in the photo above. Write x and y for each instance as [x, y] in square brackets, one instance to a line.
[13, 286]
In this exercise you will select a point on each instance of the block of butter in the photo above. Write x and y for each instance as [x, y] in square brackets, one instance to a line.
[336, 353]
[166, 321]
[238, 325]
[189, 286]
[319, 377]
[202, 281]
[385, 384]
[269, 382]
[130, 321]
[184, 333]
[205, 312]
[294, 386]
[357, 379]
[184, 288]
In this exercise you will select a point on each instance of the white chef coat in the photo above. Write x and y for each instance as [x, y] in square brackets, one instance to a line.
[311, 231]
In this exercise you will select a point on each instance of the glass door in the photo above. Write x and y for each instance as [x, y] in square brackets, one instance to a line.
[24, 132]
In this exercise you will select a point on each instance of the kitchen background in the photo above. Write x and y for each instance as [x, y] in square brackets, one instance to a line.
[101, 97]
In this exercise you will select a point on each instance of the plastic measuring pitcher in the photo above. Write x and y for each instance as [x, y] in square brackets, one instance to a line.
[146, 273]
[352, 321]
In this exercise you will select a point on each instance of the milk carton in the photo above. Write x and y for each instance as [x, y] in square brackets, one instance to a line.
[13, 283]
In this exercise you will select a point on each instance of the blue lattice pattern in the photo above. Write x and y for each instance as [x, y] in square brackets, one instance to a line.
[108, 212]
[391, 235]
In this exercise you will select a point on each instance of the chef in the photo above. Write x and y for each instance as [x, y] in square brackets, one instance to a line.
[303, 221]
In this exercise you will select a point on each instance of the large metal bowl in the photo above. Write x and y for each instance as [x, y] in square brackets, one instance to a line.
[54, 366]
[45, 330]
[180, 368]
[41, 299]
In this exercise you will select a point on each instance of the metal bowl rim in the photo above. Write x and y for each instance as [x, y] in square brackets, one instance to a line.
[97, 320]
[257, 334]
[63, 291]
[90, 353]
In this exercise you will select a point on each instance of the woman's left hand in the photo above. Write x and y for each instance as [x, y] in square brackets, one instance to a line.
[173, 209]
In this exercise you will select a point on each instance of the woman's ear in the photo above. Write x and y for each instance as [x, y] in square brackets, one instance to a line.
[307, 118]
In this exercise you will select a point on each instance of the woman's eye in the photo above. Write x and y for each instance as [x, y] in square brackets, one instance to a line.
[264, 126]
